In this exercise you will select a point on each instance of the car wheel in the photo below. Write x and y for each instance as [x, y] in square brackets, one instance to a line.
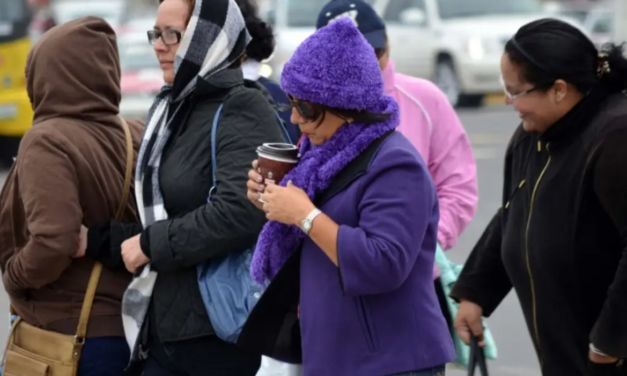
[8, 150]
[470, 100]
[446, 79]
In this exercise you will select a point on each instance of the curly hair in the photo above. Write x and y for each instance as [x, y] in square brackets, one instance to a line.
[262, 44]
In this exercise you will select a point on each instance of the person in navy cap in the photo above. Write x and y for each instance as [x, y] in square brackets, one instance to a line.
[363, 15]
[429, 122]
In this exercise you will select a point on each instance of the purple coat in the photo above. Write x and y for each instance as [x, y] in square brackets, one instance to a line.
[377, 314]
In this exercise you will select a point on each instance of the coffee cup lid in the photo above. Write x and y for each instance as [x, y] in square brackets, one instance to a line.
[279, 150]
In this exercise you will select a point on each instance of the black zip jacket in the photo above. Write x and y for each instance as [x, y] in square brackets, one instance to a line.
[560, 238]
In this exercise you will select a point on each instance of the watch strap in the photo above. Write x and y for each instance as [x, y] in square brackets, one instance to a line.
[307, 223]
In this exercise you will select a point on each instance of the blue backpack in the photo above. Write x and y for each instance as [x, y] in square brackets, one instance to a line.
[226, 287]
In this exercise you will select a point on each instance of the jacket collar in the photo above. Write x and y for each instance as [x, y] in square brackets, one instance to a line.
[352, 171]
[219, 82]
[577, 119]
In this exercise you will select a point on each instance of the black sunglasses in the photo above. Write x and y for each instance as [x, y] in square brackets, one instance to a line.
[304, 108]
[169, 37]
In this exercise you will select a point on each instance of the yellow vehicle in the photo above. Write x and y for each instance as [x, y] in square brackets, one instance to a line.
[15, 110]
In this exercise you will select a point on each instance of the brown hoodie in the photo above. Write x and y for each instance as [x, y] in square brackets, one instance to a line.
[69, 171]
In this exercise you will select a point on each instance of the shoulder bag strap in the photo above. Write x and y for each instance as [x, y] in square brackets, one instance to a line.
[282, 124]
[214, 146]
[477, 358]
[81, 331]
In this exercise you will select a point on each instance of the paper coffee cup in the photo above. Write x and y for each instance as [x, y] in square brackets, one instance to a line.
[275, 160]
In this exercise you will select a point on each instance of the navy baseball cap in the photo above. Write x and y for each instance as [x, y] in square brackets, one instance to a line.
[363, 15]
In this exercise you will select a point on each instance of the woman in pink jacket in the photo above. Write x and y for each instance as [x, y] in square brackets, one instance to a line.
[428, 121]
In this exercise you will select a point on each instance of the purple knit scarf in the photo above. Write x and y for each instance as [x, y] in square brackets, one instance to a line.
[315, 172]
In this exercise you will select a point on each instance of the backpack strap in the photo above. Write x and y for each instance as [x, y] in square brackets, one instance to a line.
[214, 143]
[286, 134]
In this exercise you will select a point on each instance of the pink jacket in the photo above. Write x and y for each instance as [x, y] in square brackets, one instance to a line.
[431, 124]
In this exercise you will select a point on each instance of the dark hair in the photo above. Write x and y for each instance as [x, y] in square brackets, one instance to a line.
[318, 112]
[381, 51]
[262, 44]
[549, 49]
[356, 116]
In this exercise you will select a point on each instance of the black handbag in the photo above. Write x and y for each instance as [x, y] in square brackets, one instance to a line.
[477, 358]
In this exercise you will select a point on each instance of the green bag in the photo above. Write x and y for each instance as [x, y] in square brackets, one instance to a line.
[449, 272]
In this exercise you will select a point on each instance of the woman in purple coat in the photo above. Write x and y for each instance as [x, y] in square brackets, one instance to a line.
[352, 231]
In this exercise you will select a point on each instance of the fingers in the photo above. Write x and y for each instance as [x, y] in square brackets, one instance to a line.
[128, 265]
[254, 186]
[467, 325]
[463, 331]
[476, 327]
[271, 188]
[253, 196]
[255, 164]
[255, 176]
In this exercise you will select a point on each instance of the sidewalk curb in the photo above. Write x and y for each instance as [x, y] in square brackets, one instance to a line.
[494, 99]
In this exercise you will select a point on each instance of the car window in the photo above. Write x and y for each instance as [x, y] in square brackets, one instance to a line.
[13, 10]
[137, 56]
[71, 10]
[603, 24]
[303, 13]
[396, 7]
[578, 15]
[472, 8]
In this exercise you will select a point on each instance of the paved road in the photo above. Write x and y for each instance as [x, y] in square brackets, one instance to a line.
[489, 130]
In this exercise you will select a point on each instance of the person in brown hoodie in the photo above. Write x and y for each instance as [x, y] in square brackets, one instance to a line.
[69, 172]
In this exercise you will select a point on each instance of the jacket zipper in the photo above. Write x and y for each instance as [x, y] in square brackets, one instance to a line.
[531, 281]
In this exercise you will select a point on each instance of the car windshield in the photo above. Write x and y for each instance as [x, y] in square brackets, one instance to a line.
[471, 8]
[303, 13]
[578, 15]
[137, 56]
[13, 10]
[604, 24]
[109, 11]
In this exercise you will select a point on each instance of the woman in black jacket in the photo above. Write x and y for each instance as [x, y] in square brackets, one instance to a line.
[199, 46]
[560, 238]
[259, 49]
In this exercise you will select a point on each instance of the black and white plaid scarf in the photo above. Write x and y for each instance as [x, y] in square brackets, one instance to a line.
[215, 37]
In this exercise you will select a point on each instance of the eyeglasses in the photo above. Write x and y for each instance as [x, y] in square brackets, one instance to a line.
[304, 108]
[169, 37]
[511, 96]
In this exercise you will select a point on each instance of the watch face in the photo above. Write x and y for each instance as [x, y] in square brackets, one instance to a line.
[307, 225]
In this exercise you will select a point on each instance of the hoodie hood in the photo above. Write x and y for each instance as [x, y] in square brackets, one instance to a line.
[74, 71]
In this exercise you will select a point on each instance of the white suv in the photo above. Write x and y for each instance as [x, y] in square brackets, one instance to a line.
[455, 43]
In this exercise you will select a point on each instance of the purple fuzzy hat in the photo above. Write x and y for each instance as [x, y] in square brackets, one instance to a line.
[335, 67]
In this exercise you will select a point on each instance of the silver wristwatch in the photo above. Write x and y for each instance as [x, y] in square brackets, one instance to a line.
[307, 223]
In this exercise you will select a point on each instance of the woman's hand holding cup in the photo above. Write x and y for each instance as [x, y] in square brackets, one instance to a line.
[255, 186]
